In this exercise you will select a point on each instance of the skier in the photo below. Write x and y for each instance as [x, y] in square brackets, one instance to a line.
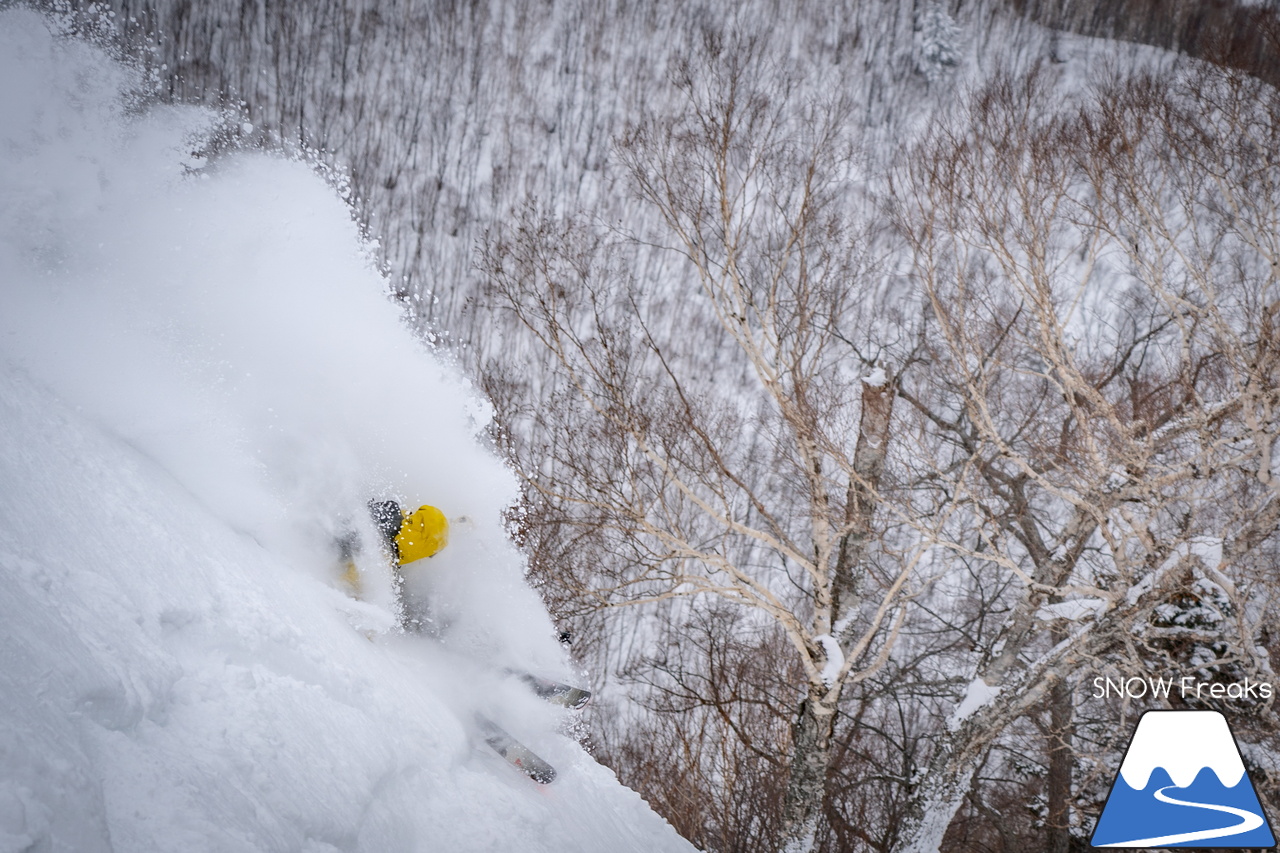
[407, 537]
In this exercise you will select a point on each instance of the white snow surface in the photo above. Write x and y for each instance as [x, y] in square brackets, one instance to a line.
[201, 383]
[978, 694]
[876, 378]
[1073, 610]
[1183, 743]
[835, 658]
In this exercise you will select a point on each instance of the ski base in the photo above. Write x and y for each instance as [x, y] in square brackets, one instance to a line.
[516, 754]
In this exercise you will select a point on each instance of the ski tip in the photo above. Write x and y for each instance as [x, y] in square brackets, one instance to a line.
[541, 775]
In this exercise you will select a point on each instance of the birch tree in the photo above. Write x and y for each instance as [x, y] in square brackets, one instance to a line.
[729, 436]
[1102, 297]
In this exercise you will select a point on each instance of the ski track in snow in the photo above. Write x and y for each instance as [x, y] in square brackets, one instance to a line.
[1248, 822]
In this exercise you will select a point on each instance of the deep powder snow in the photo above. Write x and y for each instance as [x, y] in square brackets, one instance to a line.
[201, 383]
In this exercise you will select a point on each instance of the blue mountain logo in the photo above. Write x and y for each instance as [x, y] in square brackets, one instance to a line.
[1182, 784]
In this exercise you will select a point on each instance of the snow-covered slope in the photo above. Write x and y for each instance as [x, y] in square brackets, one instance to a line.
[200, 385]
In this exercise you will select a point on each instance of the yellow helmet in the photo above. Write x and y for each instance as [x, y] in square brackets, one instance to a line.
[422, 534]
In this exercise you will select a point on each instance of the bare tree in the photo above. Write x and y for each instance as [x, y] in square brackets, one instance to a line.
[1079, 419]
[710, 749]
[1101, 291]
[728, 440]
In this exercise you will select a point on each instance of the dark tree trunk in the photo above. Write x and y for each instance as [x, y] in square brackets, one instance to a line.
[1061, 763]
[810, 757]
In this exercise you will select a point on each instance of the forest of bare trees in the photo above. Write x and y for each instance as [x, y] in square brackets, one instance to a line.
[977, 440]
[872, 395]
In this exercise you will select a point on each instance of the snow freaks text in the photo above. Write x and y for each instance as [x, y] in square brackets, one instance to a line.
[1187, 687]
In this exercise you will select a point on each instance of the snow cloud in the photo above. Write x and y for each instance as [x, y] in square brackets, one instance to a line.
[223, 316]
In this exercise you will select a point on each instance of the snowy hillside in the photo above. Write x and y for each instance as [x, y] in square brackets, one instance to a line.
[184, 435]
